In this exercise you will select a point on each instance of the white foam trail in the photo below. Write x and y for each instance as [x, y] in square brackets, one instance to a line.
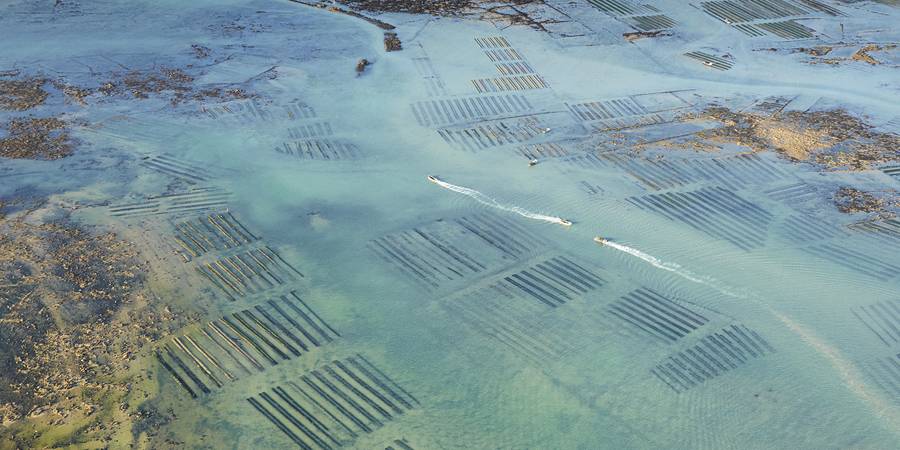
[485, 200]
[655, 262]
[676, 269]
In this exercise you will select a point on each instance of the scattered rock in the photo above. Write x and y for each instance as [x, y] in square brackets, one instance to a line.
[335, 9]
[392, 42]
[73, 93]
[36, 138]
[636, 35]
[863, 53]
[433, 7]
[200, 51]
[833, 138]
[821, 50]
[73, 316]
[176, 83]
[849, 200]
[361, 66]
[19, 95]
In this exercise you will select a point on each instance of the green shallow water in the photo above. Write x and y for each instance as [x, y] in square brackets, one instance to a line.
[575, 375]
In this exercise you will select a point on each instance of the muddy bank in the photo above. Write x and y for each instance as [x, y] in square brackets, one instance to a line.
[74, 314]
[838, 54]
[21, 95]
[174, 84]
[331, 8]
[433, 7]
[833, 139]
[880, 205]
[34, 138]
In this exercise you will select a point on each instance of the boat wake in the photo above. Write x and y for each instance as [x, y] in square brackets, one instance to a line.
[655, 262]
[674, 268]
[485, 200]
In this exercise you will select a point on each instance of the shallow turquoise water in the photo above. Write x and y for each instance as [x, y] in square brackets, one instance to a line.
[574, 375]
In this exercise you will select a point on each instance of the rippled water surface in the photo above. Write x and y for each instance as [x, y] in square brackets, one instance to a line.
[353, 303]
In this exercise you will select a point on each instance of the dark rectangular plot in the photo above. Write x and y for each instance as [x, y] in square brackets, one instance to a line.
[654, 174]
[711, 170]
[656, 315]
[510, 83]
[190, 389]
[333, 405]
[717, 212]
[613, 7]
[209, 233]
[320, 150]
[885, 372]
[892, 171]
[875, 266]
[624, 123]
[278, 423]
[492, 42]
[447, 251]
[253, 111]
[503, 54]
[711, 61]
[426, 256]
[749, 30]
[607, 109]
[514, 68]
[249, 272]
[557, 279]
[542, 151]
[651, 23]
[713, 356]
[820, 6]
[501, 233]
[515, 310]
[192, 173]
[882, 319]
[442, 112]
[788, 30]
[732, 12]
[770, 105]
[190, 201]
[886, 231]
[298, 110]
[312, 130]
[246, 342]
[512, 319]
[399, 444]
[507, 328]
[792, 193]
[749, 169]
[487, 135]
[803, 228]
[591, 189]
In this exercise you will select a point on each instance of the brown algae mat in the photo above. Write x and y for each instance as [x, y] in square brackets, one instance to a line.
[74, 314]
[35, 138]
[833, 139]
[879, 205]
[21, 95]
